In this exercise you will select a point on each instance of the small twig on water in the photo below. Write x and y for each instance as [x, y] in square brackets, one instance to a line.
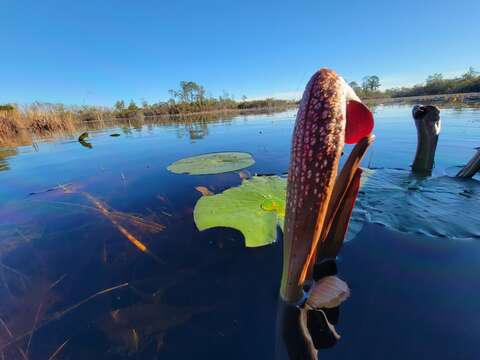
[63, 187]
[58, 350]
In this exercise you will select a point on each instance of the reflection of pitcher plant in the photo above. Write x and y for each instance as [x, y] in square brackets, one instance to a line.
[319, 204]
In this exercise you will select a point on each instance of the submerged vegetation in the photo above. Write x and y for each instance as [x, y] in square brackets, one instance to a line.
[33, 299]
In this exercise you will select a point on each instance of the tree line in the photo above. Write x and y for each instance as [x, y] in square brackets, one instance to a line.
[434, 85]
[191, 97]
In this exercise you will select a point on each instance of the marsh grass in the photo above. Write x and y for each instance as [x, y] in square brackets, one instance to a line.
[10, 124]
[20, 125]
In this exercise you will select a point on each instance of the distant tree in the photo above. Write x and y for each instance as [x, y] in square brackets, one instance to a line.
[471, 74]
[174, 94]
[225, 95]
[434, 78]
[189, 92]
[132, 106]
[374, 83]
[145, 104]
[354, 85]
[186, 91]
[365, 84]
[199, 93]
[244, 98]
[435, 84]
[120, 105]
[370, 83]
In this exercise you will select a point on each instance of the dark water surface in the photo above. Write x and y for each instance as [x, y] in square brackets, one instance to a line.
[414, 282]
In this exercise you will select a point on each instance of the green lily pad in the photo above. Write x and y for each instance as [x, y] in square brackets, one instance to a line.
[214, 163]
[255, 208]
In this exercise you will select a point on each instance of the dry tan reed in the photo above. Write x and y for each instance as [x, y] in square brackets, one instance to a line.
[40, 120]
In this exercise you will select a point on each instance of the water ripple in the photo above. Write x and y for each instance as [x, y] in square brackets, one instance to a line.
[434, 206]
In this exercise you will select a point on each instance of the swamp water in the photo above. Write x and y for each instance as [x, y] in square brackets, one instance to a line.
[72, 285]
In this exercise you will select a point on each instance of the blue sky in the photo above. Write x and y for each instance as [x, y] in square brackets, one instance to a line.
[95, 52]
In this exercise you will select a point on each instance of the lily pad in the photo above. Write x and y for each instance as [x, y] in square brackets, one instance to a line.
[214, 163]
[83, 137]
[255, 208]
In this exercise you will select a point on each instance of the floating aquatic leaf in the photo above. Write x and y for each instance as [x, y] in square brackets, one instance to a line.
[82, 139]
[115, 135]
[85, 144]
[214, 163]
[274, 205]
[254, 208]
[83, 136]
[204, 191]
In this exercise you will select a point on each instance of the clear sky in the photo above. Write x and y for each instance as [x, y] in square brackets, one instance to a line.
[95, 52]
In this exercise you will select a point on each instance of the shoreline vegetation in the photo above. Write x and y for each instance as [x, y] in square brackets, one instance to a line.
[44, 119]
[435, 84]
[456, 99]
[19, 124]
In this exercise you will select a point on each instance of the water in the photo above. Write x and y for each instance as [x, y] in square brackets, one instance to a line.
[205, 295]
